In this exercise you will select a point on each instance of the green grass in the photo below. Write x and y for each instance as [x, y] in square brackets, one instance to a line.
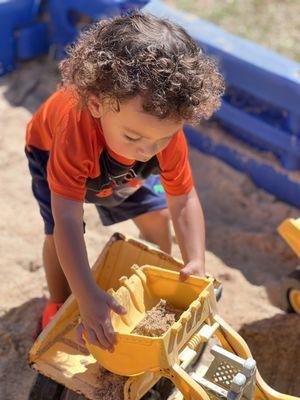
[271, 23]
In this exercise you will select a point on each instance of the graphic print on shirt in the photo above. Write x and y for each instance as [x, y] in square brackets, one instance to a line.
[118, 181]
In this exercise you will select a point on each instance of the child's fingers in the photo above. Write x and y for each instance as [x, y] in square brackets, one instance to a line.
[109, 331]
[78, 334]
[183, 275]
[92, 338]
[115, 306]
[99, 338]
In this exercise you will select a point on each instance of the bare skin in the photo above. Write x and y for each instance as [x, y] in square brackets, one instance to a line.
[188, 220]
[148, 225]
[58, 286]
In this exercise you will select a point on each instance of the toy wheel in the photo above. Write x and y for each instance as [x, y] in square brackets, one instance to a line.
[294, 300]
[218, 292]
[292, 291]
[45, 388]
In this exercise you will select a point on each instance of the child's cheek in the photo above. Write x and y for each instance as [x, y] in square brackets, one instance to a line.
[162, 146]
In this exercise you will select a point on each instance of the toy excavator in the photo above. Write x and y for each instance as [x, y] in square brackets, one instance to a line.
[290, 231]
[139, 276]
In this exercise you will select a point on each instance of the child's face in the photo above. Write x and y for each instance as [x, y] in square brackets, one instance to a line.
[132, 133]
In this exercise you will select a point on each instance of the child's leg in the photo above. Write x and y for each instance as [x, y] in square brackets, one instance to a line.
[155, 228]
[147, 207]
[57, 283]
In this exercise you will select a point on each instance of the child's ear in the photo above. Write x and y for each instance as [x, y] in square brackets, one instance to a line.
[95, 106]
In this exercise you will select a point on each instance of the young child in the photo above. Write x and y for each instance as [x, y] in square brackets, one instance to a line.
[111, 135]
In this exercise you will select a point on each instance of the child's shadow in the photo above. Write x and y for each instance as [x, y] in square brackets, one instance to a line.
[18, 328]
[30, 84]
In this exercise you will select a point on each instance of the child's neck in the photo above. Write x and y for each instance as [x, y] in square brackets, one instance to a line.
[119, 158]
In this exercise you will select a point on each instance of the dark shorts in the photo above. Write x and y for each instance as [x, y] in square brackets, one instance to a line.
[149, 197]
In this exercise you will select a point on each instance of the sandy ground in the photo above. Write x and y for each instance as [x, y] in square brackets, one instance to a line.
[244, 250]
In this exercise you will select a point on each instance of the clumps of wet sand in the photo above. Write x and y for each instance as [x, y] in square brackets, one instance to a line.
[158, 319]
[109, 385]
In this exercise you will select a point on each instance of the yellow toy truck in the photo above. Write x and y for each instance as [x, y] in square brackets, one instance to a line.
[139, 276]
[290, 231]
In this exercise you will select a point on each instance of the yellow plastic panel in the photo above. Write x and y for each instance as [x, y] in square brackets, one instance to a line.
[136, 354]
[56, 353]
[290, 231]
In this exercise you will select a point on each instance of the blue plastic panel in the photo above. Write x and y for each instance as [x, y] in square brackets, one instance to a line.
[64, 28]
[32, 41]
[261, 104]
[14, 14]
[246, 65]
[262, 174]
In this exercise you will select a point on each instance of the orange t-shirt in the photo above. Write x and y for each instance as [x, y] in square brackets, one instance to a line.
[75, 141]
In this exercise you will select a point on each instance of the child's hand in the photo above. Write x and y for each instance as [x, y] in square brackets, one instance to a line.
[194, 267]
[96, 322]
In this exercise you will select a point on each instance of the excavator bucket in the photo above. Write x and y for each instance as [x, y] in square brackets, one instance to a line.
[135, 354]
[56, 352]
[139, 276]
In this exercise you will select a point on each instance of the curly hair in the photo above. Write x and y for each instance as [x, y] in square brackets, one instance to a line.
[140, 54]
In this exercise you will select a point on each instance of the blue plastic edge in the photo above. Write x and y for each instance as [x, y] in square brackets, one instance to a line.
[247, 65]
[258, 71]
[262, 174]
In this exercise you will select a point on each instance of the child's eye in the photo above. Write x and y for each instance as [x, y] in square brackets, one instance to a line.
[131, 139]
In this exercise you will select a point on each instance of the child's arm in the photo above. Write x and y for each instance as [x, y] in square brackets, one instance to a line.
[94, 303]
[188, 221]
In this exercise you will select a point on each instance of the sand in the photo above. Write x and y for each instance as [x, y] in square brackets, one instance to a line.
[243, 248]
[220, 136]
[158, 319]
[279, 337]
[111, 386]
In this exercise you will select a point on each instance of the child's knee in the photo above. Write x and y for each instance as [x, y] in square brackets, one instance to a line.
[159, 225]
[163, 217]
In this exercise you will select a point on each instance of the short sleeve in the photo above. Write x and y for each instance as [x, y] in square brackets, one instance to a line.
[73, 156]
[176, 175]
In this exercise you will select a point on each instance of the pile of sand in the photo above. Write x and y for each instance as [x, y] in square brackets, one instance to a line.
[275, 345]
[244, 250]
[158, 319]
[110, 386]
